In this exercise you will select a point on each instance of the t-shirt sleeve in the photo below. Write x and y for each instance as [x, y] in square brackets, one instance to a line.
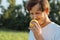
[57, 35]
[31, 36]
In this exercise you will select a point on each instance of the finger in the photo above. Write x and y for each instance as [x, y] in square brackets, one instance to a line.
[33, 29]
[37, 25]
[37, 28]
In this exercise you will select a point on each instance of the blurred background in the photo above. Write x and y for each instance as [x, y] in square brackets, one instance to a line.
[14, 18]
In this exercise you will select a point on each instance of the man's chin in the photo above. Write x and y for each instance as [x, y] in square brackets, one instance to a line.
[41, 23]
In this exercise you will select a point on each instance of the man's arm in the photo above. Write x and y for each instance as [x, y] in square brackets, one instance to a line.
[37, 32]
[38, 36]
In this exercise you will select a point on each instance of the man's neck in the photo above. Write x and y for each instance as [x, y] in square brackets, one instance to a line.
[45, 23]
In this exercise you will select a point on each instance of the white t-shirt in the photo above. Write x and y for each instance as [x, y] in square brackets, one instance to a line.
[50, 32]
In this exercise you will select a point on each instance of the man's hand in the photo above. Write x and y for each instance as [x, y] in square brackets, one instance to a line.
[37, 31]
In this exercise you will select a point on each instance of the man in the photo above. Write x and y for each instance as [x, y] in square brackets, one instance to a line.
[46, 30]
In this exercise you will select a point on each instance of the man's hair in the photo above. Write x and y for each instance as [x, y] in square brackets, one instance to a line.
[42, 3]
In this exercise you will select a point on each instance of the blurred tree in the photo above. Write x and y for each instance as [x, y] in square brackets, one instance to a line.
[12, 2]
[2, 9]
[7, 15]
[0, 1]
[14, 17]
[55, 11]
[8, 12]
[27, 20]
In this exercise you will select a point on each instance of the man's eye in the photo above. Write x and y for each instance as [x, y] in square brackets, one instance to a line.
[31, 13]
[37, 13]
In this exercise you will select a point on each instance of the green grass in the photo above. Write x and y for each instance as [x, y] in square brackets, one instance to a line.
[13, 35]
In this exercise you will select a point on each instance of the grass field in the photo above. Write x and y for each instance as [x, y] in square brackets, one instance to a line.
[13, 35]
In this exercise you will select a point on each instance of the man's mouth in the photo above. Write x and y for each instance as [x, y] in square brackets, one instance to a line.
[38, 19]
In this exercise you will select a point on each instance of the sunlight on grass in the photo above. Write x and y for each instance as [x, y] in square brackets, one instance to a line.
[12, 35]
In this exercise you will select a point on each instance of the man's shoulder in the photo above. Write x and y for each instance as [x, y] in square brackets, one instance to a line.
[54, 24]
[52, 27]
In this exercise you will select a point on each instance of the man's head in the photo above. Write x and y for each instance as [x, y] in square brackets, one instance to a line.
[39, 10]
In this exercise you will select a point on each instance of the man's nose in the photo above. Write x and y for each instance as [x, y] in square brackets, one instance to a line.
[34, 16]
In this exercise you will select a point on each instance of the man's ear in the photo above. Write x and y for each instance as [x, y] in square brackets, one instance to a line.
[47, 11]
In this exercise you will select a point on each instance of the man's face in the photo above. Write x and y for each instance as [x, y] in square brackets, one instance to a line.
[35, 13]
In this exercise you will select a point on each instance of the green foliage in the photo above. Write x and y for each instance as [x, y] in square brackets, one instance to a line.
[16, 19]
[0, 1]
[12, 2]
[55, 12]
